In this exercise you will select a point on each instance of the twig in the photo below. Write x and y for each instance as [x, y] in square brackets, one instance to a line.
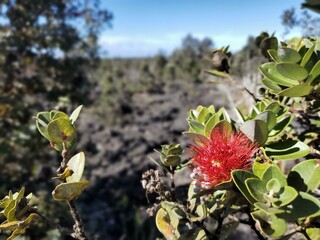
[172, 185]
[251, 94]
[305, 234]
[77, 227]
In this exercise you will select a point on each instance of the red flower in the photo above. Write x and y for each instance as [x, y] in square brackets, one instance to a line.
[214, 159]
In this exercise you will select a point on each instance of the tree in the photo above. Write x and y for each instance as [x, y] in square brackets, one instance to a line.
[47, 50]
[304, 20]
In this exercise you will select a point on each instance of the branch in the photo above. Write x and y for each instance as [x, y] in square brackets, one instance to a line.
[77, 227]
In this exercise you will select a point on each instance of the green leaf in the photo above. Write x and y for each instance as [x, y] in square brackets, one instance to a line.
[9, 207]
[196, 126]
[315, 72]
[239, 177]
[274, 172]
[307, 55]
[313, 233]
[69, 191]
[274, 107]
[75, 114]
[202, 115]
[70, 144]
[287, 150]
[76, 164]
[42, 121]
[268, 43]
[257, 189]
[164, 225]
[215, 118]
[271, 225]
[9, 226]
[269, 117]
[201, 212]
[300, 90]
[305, 175]
[274, 87]
[217, 73]
[58, 114]
[267, 209]
[16, 233]
[280, 127]
[258, 167]
[288, 55]
[303, 206]
[269, 71]
[273, 185]
[273, 53]
[256, 131]
[225, 127]
[61, 130]
[292, 71]
[285, 196]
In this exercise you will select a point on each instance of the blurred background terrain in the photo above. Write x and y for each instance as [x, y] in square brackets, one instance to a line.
[58, 54]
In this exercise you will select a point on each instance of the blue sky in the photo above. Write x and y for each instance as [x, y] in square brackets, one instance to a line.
[144, 27]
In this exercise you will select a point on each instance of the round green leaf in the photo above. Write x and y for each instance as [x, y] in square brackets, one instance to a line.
[292, 71]
[258, 168]
[58, 114]
[164, 225]
[303, 206]
[285, 196]
[69, 191]
[267, 209]
[274, 172]
[271, 225]
[305, 175]
[239, 177]
[288, 55]
[76, 164]
[257, 189]
[61, 130]
[273, 185]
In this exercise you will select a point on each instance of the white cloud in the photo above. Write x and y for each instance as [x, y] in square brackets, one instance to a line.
[141, 46]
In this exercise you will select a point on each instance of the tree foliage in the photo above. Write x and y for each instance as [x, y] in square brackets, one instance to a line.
[47, 52]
